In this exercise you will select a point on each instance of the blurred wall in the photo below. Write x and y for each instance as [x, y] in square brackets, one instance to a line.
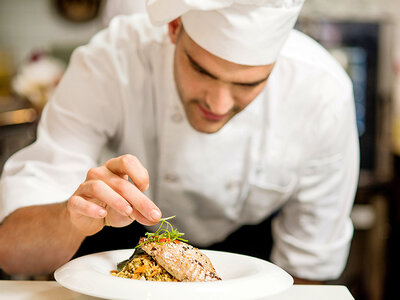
[35, 24]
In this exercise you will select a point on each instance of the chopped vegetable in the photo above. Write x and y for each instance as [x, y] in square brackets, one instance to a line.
[136, 253]
[141, 269]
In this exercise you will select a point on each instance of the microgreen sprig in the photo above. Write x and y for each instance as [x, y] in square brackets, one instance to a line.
[165, 233]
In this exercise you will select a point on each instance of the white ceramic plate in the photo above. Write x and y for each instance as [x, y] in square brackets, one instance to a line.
[243, 277]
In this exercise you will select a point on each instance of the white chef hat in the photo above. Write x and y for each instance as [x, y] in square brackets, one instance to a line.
[248, 32]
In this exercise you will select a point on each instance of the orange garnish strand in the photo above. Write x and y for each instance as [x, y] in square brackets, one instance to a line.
[154, 273]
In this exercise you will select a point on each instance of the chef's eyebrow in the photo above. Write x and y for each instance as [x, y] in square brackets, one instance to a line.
[202, 70]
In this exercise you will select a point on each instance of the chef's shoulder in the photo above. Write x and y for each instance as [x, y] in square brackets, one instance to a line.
[319, 87]
[127, 40]
[313, 65]
[133, 31]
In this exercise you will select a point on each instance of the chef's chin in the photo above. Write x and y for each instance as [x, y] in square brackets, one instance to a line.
[206, 128]
[201, 124]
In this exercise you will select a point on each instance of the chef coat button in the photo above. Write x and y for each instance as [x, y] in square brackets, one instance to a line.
[232, 184]
[171, 178]
[177, 117]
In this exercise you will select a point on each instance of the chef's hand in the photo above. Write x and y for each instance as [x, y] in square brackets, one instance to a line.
[107, 197]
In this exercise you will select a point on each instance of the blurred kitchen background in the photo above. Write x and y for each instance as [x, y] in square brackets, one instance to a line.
[38, 36]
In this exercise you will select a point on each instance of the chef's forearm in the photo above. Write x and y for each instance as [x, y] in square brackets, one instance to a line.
[37, 239]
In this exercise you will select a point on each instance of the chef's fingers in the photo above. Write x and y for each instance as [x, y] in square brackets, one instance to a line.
[90, 209]
[87, 208]
[144, 206]
[100, 191]
[139, 201]
[136, 215]
[130, 165]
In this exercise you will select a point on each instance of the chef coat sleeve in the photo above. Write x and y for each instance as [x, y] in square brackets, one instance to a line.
[82, 116]
[313, 231]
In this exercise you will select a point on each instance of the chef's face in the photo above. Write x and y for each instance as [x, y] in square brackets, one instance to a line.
[212, 90]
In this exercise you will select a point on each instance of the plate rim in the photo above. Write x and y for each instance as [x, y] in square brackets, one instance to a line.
[163, 285]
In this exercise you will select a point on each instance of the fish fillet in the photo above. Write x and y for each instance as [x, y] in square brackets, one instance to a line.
[181, 260]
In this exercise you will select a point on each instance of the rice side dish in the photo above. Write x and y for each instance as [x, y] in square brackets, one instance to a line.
[144, 267]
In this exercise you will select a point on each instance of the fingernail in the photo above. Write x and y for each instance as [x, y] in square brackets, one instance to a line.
[102, 213]
[128, 210]
[155, 215]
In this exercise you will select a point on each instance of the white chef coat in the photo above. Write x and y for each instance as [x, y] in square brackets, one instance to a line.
[294, 148]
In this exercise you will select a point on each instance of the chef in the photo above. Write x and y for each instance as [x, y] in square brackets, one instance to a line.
[215, 111]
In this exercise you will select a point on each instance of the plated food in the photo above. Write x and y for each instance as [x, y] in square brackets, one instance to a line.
[165, 256]
[244, 278]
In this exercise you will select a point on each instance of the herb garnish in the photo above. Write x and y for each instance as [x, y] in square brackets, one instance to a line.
[163, 235]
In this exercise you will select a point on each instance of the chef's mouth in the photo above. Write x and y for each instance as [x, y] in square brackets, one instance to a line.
[209, 115]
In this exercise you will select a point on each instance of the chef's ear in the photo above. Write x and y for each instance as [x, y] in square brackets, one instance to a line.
[174, 29]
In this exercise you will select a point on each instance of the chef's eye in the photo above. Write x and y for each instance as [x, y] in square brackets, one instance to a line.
[202, 71]
[199, 70]
[250, 84]
[247, 85]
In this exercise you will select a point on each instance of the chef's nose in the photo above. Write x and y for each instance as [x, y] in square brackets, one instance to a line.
[219, 99]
